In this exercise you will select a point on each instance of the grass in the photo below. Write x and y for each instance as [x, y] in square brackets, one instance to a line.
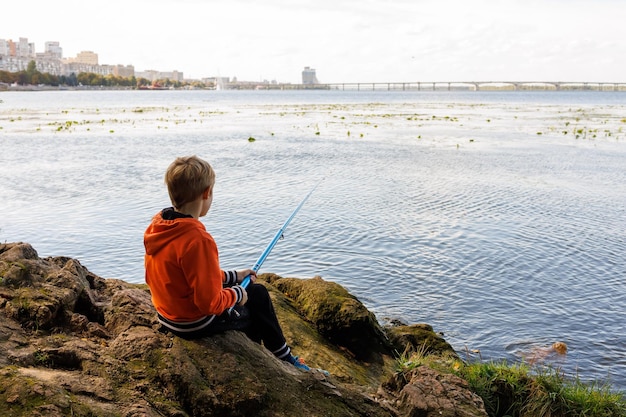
[519, 390]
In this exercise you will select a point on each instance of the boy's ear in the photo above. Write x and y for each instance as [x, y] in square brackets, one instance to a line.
[207, 193]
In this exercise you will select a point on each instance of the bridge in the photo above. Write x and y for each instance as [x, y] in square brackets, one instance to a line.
[475, 86]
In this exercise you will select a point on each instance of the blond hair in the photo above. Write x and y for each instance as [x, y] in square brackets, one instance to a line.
[187, 178]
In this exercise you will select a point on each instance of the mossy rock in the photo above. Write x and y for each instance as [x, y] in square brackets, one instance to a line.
[319, 352]
[72, 343]
[421, 338]
[337, 315]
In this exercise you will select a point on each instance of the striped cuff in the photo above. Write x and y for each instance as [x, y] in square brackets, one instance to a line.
[185, 327]
[230, 278]
[238, 292]
[283, 352]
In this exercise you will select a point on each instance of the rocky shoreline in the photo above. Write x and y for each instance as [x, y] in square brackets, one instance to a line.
[73, 343]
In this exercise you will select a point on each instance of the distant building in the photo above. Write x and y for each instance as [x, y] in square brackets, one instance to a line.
[46, 64]
[21, 49]
[53, 50]
[153, 75]
[24, 49]
[308, 76]
[124, 71]
[85, 57]
[16, 56]
[4, 47]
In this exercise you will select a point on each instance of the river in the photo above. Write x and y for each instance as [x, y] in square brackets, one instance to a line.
[497, 217]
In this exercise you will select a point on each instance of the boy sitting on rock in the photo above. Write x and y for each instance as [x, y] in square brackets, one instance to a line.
[193, 296]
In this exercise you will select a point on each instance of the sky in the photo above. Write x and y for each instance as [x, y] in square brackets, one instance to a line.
[343, 40]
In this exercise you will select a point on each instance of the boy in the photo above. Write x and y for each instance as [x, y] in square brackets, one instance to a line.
[192, 295]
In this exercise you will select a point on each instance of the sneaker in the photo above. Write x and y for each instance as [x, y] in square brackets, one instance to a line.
[298, 363]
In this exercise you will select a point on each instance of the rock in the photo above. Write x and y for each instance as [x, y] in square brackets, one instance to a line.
[73, 343]
[425, 392]
[337, 315]
[418, 338]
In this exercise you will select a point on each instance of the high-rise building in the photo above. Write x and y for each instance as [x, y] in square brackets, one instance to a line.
[24, 49]
[308, 76]
[15, 56]
[4, 47]
[54, 50]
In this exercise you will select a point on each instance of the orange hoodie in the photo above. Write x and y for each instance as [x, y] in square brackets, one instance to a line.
[183, 270]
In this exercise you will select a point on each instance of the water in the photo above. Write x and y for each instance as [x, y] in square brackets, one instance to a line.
[498, 218]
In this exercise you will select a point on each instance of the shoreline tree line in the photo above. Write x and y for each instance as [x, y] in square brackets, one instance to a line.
[32, 76]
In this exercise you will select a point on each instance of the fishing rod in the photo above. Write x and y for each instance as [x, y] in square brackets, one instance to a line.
[276, 238]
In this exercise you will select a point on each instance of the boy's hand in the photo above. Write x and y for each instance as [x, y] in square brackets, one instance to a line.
[244, 297]
[244, 273]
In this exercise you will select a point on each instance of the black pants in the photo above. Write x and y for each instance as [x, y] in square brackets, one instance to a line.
[256, 318]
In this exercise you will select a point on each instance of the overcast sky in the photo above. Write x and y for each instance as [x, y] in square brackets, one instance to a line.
[344, 40]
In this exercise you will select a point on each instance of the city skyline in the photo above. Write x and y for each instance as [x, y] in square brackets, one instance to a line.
[345, 41]
[16, 56]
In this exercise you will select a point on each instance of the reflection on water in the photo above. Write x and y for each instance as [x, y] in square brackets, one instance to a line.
[497, 218]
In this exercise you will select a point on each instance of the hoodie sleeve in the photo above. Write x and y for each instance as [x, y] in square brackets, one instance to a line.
[229, 279]
[201, 267]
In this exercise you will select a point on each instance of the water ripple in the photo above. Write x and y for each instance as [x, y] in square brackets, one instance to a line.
[503, 239]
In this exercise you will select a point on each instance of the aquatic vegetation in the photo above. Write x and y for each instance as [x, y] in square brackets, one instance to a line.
[399, 119]
[67, 125]
[251, 139]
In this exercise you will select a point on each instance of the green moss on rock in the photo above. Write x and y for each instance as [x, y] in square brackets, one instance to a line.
[337, 315]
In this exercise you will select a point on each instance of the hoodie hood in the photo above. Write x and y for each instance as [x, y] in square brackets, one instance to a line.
[166, 226]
